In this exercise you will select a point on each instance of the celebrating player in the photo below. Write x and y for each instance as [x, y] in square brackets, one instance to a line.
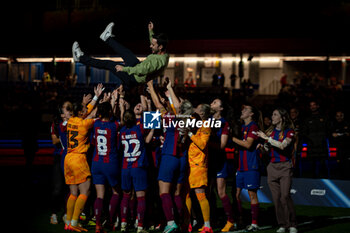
[134, 172]
[198, 162]
[105, 165]
[172, 168]
[279, 142]
[217, 146]
[76, 169]
[248, 175]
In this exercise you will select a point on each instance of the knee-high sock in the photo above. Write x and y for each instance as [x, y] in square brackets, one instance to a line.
[132, 205]
[255, 213]
[113, 206]
[179, 205]
[70, 206]
[203, 202]
[188, 203]
[227, 208]
[78, 208]
[239, 207]
[98, 206]
[141, 209]
[168, 207]
[124, 207]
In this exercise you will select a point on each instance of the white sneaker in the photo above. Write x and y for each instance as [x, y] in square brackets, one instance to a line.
[252, 228]
[293, 230]
[107, 32]
[76, 51]
[141, 230]
[123, 227]
[53, 219]
[281, 230]
[64, 218]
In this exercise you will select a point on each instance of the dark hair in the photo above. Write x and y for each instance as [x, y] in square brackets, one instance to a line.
[104, 110]
[129, 118]
[257, 116]
[77, 107]
[162, 39]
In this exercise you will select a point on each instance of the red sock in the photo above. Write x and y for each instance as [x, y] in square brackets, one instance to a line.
[113, 206]
[179, 204]
[227, 208]
[98, 206]
[141, 209]
[255, 213]
[124, 207]
[167, 206]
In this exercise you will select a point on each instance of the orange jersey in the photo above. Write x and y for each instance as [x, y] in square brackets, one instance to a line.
[198, 150]
[78, 135]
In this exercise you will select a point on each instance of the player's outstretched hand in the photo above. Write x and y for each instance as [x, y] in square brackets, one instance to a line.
[86, 99]
[106, 97]
[98, 89]
[150, 26]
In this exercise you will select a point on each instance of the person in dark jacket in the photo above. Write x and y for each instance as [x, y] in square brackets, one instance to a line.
[315, 132]
[340, 136]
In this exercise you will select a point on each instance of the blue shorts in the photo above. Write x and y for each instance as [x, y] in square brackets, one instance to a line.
[102, 172]
[172, 169]
[248, 180]
[134, 178]
[223, 171]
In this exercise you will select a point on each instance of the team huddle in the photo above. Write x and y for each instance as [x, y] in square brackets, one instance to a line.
[173, 165]
[180, 163]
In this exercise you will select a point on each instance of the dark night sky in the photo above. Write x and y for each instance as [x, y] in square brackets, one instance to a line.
[34, 29]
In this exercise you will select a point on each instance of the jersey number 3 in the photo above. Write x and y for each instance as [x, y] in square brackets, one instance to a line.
[71, 138]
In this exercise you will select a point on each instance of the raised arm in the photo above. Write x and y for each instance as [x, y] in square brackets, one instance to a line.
[173, 98]
[149, 136]
[150, 31]
[98, 91]
[114, 99]
[154, 95]
[144, 103]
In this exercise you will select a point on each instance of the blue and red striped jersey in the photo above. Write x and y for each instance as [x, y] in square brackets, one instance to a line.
[62, 132]
[55, 131]
[249, 158]
[105, 136]
[278, 155]
[134, 150]
[171, 137]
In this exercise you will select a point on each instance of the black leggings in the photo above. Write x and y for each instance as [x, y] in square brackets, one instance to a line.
[128, 57]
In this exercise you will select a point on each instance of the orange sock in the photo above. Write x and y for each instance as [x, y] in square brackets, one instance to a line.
[188, 203]
[203, 202]
[78, 208]
[70, 206]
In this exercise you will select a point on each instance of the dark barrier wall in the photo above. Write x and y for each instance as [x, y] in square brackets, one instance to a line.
[316, 192]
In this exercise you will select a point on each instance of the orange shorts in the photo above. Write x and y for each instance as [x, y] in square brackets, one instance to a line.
[198, 177]
[76, 168]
